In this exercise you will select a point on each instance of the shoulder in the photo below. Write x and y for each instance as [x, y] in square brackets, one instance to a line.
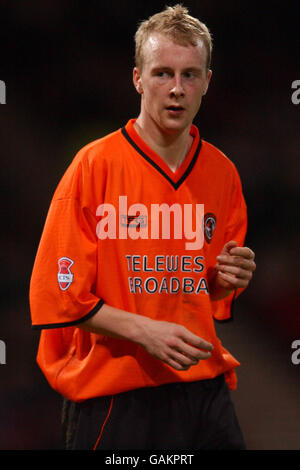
[219, 162]
[218, 157]
[89, 164]
[100, 149]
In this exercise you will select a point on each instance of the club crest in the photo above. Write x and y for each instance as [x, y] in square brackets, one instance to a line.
[64, 276]
[210, 221]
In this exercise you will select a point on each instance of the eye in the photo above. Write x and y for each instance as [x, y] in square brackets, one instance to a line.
[189, 75]
[162, 74]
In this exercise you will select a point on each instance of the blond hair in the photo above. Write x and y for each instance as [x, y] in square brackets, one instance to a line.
[175, 23]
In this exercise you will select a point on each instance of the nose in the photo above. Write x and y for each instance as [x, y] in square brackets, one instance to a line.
[177, 88]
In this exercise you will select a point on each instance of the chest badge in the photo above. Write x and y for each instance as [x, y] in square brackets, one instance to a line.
[210, 221]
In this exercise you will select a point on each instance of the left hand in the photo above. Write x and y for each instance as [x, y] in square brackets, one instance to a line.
[235, 267]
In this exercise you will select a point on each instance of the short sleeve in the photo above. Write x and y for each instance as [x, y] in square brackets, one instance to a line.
[64, 273]
[236, 229]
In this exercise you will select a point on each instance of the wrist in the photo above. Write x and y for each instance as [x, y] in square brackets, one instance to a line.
[139, 329]
[218, 290]
[221, 293]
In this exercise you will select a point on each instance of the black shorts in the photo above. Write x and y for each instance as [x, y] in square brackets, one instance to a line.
[178, 416]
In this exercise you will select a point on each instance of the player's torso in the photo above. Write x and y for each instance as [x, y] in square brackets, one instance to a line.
[158, 232]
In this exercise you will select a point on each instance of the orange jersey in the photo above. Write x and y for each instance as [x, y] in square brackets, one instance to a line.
[124, 230]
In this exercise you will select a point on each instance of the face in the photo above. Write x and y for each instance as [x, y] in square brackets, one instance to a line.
[172, 82]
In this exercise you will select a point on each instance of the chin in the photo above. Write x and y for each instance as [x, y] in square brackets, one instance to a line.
[175, 127]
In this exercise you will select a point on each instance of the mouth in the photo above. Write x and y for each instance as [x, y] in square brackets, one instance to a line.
[175, 107]
[175, 110]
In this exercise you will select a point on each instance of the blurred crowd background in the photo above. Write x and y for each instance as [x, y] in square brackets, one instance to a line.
[67, 67]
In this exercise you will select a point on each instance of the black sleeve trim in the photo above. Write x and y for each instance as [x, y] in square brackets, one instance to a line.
[71, 323]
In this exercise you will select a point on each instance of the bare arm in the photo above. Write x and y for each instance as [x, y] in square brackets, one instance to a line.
[169, 342]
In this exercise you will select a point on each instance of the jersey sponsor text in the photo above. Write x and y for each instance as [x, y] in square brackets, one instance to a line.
[167, 284]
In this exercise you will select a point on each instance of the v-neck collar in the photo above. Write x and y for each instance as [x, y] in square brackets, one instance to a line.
[174, 178]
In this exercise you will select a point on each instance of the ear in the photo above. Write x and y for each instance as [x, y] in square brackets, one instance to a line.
[208, 77]
[137, 80]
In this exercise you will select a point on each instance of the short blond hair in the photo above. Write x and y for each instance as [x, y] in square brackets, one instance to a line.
[175, 23]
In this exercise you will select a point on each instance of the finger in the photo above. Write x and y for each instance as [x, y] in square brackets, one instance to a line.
[200, 356]
[193, 353]
[189, 337]
[176, 365]
[170, 359]
[182, 359]
[238, 272]
[185, 361]
[229, 246]
[244, 252]
[237, 261]
[233, 280]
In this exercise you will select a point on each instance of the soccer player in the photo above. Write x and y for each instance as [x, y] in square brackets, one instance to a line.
[141, 250]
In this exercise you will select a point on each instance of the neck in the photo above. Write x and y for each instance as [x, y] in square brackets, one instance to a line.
[171, 147]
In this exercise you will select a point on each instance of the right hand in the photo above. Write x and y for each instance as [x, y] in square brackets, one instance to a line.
[174, 344]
